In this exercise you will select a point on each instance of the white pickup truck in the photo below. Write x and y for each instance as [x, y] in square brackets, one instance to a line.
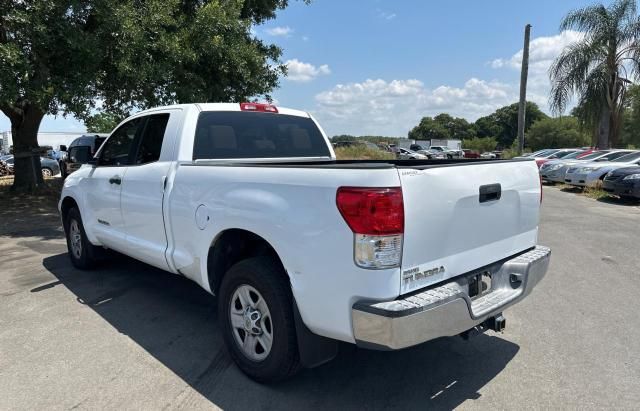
[302, 250]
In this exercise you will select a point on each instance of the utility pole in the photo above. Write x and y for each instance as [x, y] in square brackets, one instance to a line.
[523, 88]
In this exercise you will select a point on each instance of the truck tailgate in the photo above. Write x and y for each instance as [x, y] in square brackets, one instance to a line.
[461, 217]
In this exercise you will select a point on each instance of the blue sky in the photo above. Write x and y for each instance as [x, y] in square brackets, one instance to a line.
[376, 67]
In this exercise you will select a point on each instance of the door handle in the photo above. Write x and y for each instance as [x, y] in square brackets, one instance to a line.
[115, 180]
[490, 192]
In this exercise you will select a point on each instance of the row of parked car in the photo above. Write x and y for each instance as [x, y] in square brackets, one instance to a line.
[63, 162]
[49, 166]
[616, 171]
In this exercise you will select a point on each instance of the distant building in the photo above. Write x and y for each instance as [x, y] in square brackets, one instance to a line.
[46, 138]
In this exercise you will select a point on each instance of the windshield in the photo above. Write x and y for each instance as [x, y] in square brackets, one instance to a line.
[571, 155]
[627, 158]
[563, 154]
[535, 153]
[612, 156]
[594, 155]
[543, 153]
[236, 134]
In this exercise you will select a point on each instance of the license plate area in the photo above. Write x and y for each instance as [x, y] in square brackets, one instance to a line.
[479, 284]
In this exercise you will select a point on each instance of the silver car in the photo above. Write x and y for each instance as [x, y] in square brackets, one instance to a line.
[405, 154]
[554, 171]
[592, 173]
[49, 167]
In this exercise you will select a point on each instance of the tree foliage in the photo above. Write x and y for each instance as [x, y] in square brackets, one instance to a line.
[630, 133]
[503, 123]
[103, 122]
[60, 56]
[556, 133]
[481, 144]
[442, 127]
[598, 68]
[372, 139]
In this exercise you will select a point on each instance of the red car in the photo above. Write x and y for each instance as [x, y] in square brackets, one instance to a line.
[470, 153]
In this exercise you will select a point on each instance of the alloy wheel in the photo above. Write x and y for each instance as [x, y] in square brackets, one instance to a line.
[251, 323]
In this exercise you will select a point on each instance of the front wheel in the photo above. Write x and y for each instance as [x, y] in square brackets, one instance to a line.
[256, 314]
[82, 253]
[47, 172]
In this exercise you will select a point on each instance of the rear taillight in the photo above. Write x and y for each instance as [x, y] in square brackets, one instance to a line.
[265, 108]
[376, 217]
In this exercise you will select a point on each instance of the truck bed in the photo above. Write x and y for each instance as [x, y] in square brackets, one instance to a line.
[359, 164]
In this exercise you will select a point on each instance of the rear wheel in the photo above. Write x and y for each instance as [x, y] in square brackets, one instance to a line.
[256, 315]
[82, 253]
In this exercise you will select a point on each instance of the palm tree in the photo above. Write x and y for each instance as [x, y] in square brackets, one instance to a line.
[598, 68]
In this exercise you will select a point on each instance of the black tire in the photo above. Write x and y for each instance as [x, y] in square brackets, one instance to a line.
[267, 277]
[88, 256]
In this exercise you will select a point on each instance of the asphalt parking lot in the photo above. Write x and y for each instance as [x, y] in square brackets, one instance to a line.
[130, 336]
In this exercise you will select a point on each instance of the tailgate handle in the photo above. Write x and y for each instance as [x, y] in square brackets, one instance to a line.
[490, 192]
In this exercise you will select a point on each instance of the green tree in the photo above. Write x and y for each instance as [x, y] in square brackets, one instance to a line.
[442, 127]
[556, 133]
[343, 137]
[102, 122]
[630, 133]
[480, 145]
[588, 120]
[596, 68]
[507, 119]
[60, 56]
[487, 127]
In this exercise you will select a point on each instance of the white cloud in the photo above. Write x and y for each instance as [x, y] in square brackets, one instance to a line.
[542, 52]
[393, 108]
[278, 31]
[304, 72]
[386, 15]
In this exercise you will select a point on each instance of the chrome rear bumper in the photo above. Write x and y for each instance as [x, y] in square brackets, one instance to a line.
[447, 309]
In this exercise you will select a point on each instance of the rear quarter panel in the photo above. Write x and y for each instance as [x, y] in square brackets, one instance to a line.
[294, 209]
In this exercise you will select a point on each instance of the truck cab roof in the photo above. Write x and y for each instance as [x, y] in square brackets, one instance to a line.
[227, 107]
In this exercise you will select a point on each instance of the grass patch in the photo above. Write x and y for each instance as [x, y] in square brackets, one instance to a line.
[362, 153]
[596, 193]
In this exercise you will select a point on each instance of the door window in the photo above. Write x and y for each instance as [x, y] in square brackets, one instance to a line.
[152, 137]
[117, 149]
[80, 154]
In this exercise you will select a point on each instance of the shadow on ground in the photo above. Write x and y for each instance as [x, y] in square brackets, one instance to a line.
[629, 202]
[175, 321]
[572, 189]
[27, 214]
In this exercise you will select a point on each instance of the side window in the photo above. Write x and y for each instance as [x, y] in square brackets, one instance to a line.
[79, 154]
[152, 137]
[117, 148]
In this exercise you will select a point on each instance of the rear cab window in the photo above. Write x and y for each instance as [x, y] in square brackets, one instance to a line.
[236, 134]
